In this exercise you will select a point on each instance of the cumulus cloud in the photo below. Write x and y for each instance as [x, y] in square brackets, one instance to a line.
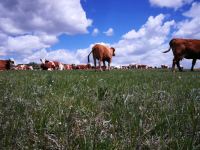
[170, 3]
[109, 32]
[62, 55]
[145, 45]
[2, 53]
[55, 17]
[194, 11]
[95, 32]
[29, 26]
[189, 28]
[27, 44]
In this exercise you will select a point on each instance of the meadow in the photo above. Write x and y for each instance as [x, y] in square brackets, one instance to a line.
[118, 109]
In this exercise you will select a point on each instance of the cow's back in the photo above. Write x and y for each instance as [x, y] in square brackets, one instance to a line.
[101, 52]
[189, 48]
[4, 65]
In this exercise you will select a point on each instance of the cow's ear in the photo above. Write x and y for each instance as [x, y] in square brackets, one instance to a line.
[42, 61]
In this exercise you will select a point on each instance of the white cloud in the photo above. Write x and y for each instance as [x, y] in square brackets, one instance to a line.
[62, 55]
[189, 28]
[170, 3]
[145, 45]
[2, 53]
[95, 32]
[194, 11]
[109, 32]
[29, 26]
[55, 17]
[27, 44]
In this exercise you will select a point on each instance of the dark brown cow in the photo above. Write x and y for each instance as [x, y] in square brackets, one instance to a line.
[102, 53]
[140, 66]
[184, 48]
[164, 66]
[6, 64]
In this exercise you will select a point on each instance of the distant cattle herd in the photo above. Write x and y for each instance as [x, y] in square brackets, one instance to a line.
[51, 65]
[182, 48]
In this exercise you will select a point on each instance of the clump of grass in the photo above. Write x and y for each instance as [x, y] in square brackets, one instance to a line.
[99, 110]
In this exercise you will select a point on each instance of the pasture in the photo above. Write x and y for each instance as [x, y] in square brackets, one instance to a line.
[118, 109]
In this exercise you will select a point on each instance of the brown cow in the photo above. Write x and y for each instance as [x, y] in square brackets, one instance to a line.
[51, 65]
[23, 67]
[84, 67]
[7, 64]
[184, 48]
[68, 67]
[102, 53]
[141, 66]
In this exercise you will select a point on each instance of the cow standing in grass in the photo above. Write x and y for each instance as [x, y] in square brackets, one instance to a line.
[102, 53]
[7, 64]
[184, 48]
[51, 65]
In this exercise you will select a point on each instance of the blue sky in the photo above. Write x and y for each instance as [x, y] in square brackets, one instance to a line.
[66, 30]
[121, 15]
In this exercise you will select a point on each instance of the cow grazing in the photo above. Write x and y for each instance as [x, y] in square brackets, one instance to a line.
[84, 67]
[23, 67]
[102, 53]
[133, 66]
[7, 64]
[141, 66]
[164, 66]
[51, 65]
[149, 67]
[184, 48]
[67, 67]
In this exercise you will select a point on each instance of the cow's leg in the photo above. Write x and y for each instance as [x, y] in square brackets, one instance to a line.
[173, 65]
[104, 65]
[108, 65]
[178, 65]
[95, 64]
[100, 65]
[193, 63]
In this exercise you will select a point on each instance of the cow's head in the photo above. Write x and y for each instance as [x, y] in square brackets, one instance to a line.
[113, 50]
[30, 67]
[12, 63]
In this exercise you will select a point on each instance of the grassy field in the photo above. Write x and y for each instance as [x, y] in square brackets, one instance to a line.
[150, 109]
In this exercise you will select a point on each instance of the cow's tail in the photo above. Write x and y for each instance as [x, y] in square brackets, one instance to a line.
[170, 46]
[167, 50]
[89, 57]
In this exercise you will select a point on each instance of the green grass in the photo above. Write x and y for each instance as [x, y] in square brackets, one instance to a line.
[150, 109]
